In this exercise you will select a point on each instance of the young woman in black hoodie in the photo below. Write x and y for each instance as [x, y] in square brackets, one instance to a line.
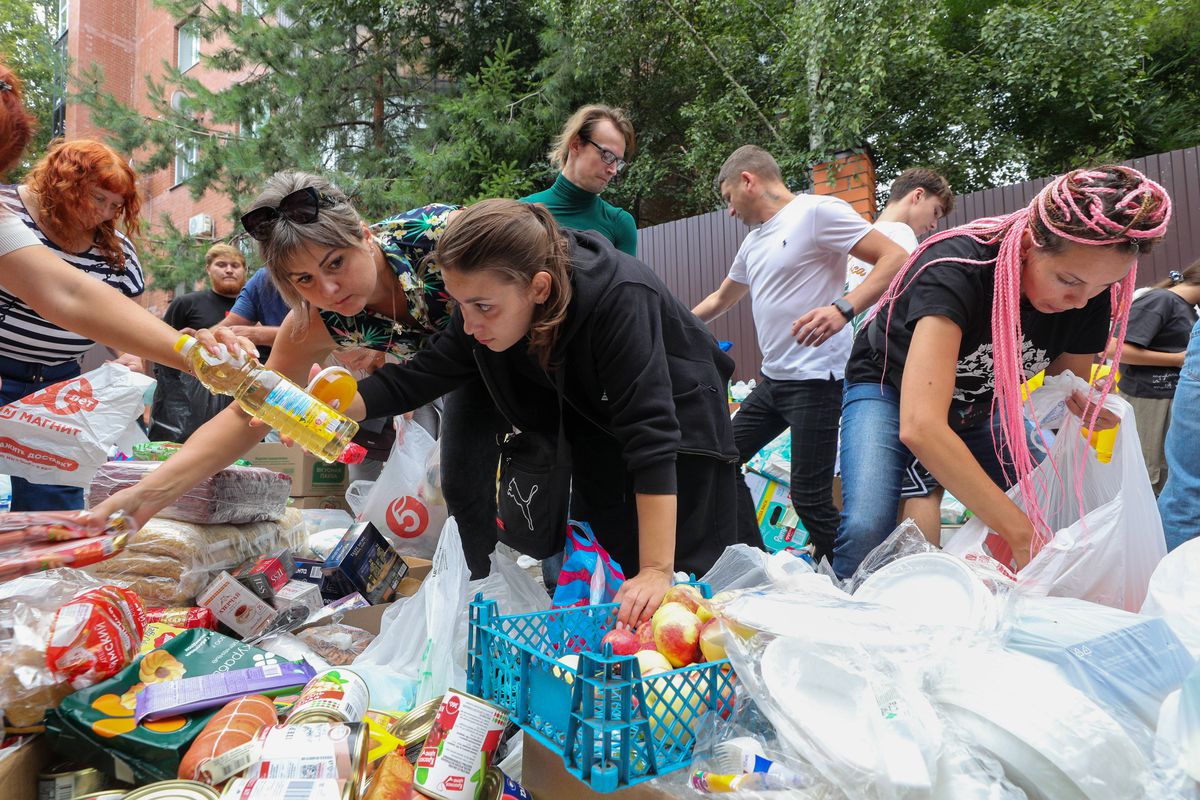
[644, 408]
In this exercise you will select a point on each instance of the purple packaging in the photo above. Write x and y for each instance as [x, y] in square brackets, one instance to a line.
[173, 698]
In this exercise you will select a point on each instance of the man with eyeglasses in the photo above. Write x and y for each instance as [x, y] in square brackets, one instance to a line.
[592, 149]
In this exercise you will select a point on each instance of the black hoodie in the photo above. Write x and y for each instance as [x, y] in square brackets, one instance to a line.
[641, 369]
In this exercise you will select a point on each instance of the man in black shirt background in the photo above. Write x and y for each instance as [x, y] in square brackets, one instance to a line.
[181, 403]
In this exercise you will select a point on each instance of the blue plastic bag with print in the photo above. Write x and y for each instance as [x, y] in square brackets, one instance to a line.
[589, 574]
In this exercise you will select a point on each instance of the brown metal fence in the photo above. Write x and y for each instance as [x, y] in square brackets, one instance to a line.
[693, 255]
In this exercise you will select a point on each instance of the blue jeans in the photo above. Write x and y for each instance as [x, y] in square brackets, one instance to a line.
[873, 465]
[19, 379]
[1179, 503]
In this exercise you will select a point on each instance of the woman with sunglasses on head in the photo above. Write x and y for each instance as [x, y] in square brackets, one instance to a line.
[937, 373]
[348, 286]
[49, 308]
[643, 384]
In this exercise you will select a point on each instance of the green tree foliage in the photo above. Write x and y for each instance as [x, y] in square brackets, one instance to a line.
[27, 37]
[410, 101]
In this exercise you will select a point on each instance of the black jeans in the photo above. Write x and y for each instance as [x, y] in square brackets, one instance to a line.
[470, 458]
[811, 409]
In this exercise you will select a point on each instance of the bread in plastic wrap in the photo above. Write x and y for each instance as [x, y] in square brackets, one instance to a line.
[169, 562]
[338, 644]
[234, 495]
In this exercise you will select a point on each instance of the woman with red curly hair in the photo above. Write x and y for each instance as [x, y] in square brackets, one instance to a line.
[63, 263]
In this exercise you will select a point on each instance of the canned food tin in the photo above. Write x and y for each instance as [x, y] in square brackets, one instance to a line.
[174, 790]
[336, 750]
[413, 728]
[64, 781]
[464, 738]
[286, 789]
[333, 695]
[498, 786]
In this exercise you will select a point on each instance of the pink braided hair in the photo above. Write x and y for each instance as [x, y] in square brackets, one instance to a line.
[1109, 205]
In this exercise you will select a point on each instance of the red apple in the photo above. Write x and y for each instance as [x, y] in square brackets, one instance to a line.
[624, 642]
[686, 595]
[645, 636]
[677, 634]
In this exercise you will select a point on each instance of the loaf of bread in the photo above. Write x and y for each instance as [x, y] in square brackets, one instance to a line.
[337, 644]
[236, 723]
[170, 562]
[235, 495]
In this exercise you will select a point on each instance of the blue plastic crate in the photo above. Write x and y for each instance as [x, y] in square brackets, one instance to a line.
[612, 727]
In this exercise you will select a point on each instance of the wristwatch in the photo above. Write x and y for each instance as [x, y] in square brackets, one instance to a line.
[843, 305]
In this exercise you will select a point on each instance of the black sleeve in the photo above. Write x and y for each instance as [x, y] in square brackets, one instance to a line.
[445, 364]
[1147, 317]
[948, 289]
[631, 361]
[1091, 335]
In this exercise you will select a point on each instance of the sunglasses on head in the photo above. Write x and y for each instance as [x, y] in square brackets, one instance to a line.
[301, 206]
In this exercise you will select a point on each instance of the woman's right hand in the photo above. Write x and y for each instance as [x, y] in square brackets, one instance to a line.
[134, 501]
[1020, 539]
[211, 339]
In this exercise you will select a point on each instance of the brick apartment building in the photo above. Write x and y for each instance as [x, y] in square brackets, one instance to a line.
[130, 40]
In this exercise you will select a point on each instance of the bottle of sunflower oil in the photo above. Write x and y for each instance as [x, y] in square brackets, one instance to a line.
[272, 398]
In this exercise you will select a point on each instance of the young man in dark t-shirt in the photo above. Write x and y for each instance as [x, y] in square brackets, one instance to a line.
[182, 404]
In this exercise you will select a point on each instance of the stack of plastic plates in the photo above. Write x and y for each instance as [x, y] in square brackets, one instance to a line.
[931, 589]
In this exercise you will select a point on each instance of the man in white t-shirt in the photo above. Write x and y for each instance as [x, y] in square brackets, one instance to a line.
[793, 266]
[917, 199]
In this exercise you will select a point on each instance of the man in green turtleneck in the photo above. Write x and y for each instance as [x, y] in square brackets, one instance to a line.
[591, 151]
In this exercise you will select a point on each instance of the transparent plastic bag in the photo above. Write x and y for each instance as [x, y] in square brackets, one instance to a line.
[905, 540]
[1104, 551]
[417, 634]
[402, 504]
[234, 495]
[169, 562]
[513, 588]
[738, 567]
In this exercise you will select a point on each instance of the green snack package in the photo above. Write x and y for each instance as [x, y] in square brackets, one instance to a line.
[96, 724]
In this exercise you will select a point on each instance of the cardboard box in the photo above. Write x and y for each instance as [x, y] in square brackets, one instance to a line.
[369, 618]
[308, 570]
[298, 593]
[236, 606]
[19, 770]
[777, 520]
[337, 501]
[263, 575]
[363, 561]
[545, 776]
[310, 475]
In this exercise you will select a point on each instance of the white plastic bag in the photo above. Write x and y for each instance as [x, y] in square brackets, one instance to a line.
[417, 635]
[1175, 594]
[402, 503]
[61, 434]
[1106, 555]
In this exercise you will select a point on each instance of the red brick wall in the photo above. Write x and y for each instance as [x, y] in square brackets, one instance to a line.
[131, 39]
[850, 176]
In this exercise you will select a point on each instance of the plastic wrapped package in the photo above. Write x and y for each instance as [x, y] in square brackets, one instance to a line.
[234, 495]
[1128, 663]
[34, 636]
[740, 566]
[338, 644]
[170, 562]
[1054, 741]
[291, 647]
[905, 540]
[1174, 593]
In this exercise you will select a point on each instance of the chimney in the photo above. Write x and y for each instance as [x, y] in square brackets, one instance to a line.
[850, 176]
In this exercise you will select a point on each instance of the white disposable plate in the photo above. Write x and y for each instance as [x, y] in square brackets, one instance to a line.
[1029, 700]
[931, 589]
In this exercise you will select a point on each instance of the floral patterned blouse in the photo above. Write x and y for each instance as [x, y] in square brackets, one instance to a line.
[405, 240]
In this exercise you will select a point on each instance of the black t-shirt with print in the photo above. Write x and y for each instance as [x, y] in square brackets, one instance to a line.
[962, 290]
[1162, 321]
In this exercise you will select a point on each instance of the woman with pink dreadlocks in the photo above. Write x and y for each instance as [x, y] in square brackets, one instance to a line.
[934, 380]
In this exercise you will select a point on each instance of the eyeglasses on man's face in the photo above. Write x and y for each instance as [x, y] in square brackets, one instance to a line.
[607, 156]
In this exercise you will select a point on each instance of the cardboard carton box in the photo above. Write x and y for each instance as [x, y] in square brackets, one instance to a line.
[321, 501]
[19, 770]
[310, 475]
[363, 561]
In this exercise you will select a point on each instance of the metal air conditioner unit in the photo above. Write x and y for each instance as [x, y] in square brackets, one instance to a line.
[200, 225]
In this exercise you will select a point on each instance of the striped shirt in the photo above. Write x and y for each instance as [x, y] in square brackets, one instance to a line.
[27, 336]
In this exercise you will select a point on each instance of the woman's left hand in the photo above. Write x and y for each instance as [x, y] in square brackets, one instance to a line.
[641, 595]
[210, 339]
[1078, 405]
